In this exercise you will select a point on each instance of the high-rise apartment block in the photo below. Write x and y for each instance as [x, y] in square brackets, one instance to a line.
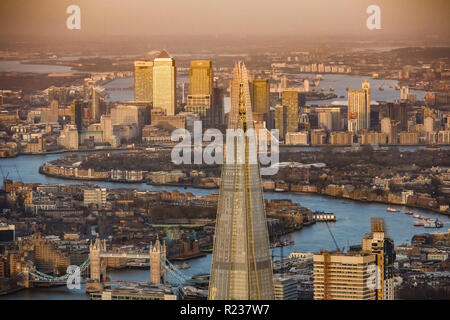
[362, 274]
[382, 246]
[359, 108]
[94, 196]
[68, 137]
[344, 276]
[285, 289]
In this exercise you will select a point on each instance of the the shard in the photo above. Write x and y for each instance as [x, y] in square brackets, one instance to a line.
[241, 266]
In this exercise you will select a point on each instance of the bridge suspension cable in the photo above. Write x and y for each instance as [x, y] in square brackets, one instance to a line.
[45, 277]
[179, 273]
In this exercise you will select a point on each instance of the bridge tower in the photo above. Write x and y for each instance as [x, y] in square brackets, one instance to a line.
[25, 281]
[97, 267]
[157, 262]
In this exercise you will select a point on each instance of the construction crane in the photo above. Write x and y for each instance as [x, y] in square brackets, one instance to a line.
[332, 236]
[279, 239]
[18, 174]
[326, 267]
[3, 174]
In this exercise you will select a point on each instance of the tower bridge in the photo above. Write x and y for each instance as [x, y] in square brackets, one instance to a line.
[160, 266]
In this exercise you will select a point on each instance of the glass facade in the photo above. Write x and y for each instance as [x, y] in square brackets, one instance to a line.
[164, 83]
[143, 81]
[241, 264]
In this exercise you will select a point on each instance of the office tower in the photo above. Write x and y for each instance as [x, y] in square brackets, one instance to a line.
[404, 91]
[329, 118]
[143, 81]
[280, 121]
[241, 266]
[76, 114]
[128, 114]
[359, 108]
[96, 104]
[200, 95]
[366, 88]
[50, 115]
[344, 276]
[201, 77]
[285, 289]
[289, 99]
[164, 83]
[261, 91]
[382, 247]
[218, 114]
[399, 113]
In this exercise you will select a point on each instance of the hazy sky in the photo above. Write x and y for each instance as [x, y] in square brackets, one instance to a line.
[225, 17]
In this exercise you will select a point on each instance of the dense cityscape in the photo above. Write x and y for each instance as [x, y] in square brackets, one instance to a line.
[93, 205]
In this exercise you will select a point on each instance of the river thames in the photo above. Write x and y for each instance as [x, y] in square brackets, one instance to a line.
[353, 221]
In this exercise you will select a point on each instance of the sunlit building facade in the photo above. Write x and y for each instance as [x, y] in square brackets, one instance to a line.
[261, 96]
[359, 108]
[289, 99]
[200, 98]
[164, 83]
[143, 81]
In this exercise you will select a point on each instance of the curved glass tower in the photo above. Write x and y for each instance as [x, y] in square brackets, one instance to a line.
[241, 264]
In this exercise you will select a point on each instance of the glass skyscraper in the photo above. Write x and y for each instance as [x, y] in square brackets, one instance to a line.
[143, 81]
[241, 264]
[164, 83]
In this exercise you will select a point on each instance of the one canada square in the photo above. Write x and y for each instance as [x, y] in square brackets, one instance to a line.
[241, 266]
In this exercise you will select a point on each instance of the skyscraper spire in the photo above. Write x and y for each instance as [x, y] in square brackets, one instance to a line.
[241, 264]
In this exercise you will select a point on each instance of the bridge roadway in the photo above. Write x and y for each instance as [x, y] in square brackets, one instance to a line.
[125, 255]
